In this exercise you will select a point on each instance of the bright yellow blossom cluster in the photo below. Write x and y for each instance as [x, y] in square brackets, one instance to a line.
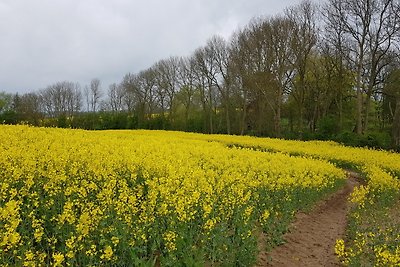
[170, 240]
[120, 198]
[381, 170]
[387, 258]
[73, 197]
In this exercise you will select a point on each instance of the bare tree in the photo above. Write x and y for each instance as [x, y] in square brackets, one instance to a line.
[370, 26]
[262, 60]
[116, 96]
[61, 99]
[187, 86]
[205, 70]
[87, 94]
[335, 47]
[146, 89]
[278, 32]
[139, 93]
[168, 83]
[95, 94]
[217, 72]
[240, 62]
[303, 19]
[74, 99]
[129, 88]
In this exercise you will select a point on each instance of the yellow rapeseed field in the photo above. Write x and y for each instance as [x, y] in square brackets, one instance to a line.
[138, 198]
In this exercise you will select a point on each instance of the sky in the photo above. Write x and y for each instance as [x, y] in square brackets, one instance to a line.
[46, 41]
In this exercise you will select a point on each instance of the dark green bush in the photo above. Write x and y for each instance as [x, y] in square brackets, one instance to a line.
[373, 140]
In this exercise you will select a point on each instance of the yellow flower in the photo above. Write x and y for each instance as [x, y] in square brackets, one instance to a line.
[107, 253]
[169, 239]
[92, 251]
[209, 225]
[29, 259]
[340, 251]
[115, 240]
[106, 182]
[264, 216]
[248, 211]
[359, 195]
[58, 259]
[29, 255]
[70, 243]
[70, 254]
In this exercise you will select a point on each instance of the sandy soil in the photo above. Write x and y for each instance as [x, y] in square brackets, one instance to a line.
[312, 236]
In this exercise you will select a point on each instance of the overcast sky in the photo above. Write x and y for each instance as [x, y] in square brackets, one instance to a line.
[46, 41]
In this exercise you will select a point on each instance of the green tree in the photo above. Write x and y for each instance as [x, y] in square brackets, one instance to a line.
[392, 90]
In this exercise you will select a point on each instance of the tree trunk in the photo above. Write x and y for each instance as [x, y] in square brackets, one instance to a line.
[277, 122]
[243, 115]
[187, 118]
[396, 125]
[341, 112]
[228, 120]
[300, 125]
[260, 117]
[366, 112]
[370, 89]
[360, 103]
[359, 127]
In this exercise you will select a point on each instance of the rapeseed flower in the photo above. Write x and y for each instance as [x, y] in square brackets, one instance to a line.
[69, 195]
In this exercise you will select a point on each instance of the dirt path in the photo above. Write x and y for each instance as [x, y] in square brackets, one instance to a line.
[311, 238]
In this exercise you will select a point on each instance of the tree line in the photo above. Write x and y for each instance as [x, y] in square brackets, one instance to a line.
[328, 71]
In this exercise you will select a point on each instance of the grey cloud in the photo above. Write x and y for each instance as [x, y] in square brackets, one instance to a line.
[46, 41]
